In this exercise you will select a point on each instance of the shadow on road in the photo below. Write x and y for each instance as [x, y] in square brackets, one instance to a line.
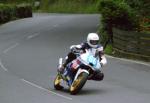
[91, 91]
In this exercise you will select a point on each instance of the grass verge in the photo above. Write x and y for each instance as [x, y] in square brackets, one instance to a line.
[109, 49]
[69, 7]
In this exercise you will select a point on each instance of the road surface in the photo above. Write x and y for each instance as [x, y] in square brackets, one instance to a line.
[29, 52]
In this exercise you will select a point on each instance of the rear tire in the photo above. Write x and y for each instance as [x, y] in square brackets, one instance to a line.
[78, 83]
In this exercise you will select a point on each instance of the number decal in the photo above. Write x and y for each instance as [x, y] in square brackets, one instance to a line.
[92, 60]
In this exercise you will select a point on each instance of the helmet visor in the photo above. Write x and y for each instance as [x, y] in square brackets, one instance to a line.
[94, 42]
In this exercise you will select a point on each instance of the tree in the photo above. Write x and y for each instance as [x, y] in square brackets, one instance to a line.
[141, 6]
[116, 13]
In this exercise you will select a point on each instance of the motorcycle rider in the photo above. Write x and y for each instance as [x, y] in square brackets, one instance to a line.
[92, 42]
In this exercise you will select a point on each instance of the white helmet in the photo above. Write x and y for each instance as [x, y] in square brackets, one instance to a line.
[93, 39]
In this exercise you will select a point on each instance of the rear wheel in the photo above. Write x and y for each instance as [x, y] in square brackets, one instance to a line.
[57, 82]
[78, 83]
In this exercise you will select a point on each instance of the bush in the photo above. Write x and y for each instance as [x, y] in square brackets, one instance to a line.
[68, 6]
[9, 12]
[141, 6]
[24, 10]
[17, 1]
[118, 14]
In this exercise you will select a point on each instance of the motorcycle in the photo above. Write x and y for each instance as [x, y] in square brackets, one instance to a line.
[78, 71]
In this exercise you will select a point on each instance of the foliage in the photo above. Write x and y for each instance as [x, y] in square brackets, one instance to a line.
[109, 49]
[24, 10]
[6, 12]
[61, 6]
[117, 13]
[103, 34]
[9, 12]
[17, 1]
[142, 7]
[69, 6]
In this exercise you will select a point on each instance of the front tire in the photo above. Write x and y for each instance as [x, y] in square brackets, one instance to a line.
[57, 82]
[78, 83]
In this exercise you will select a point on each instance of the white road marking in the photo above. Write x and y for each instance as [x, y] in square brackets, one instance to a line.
[134, 61]
[2, 66]
[11, 47]
[37, 86]
[32, 36]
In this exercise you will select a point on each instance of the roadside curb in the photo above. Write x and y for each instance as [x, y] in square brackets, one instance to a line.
[129, 60]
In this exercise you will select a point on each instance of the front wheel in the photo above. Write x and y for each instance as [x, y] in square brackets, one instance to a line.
[57, 82]
[78, 83]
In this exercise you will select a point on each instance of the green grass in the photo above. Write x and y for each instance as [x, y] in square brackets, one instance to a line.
[69, 7]
[61, 6]
[109, 49]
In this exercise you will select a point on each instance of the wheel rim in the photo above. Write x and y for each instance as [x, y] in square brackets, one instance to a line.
[57, 80]
[75, 83]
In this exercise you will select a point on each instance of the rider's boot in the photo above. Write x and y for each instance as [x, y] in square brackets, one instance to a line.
[71, 56]
[61, 68]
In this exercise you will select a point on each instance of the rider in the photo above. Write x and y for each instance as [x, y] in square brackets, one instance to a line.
[92, 42]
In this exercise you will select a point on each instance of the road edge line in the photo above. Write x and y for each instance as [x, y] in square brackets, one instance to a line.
[134, 61]
[37, 86]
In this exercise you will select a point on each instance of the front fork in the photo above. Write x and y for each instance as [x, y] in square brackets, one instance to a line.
[70, 78]
[79, 72]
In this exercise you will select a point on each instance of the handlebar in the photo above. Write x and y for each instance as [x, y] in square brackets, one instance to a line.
[76, 51]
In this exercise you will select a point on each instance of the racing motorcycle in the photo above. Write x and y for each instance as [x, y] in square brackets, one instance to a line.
[78, 71]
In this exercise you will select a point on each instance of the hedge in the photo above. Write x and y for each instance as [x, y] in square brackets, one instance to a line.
[118, 14]
[23, 11]
[9, 12]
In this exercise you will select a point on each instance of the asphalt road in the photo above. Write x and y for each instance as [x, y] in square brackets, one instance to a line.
[29, 52]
